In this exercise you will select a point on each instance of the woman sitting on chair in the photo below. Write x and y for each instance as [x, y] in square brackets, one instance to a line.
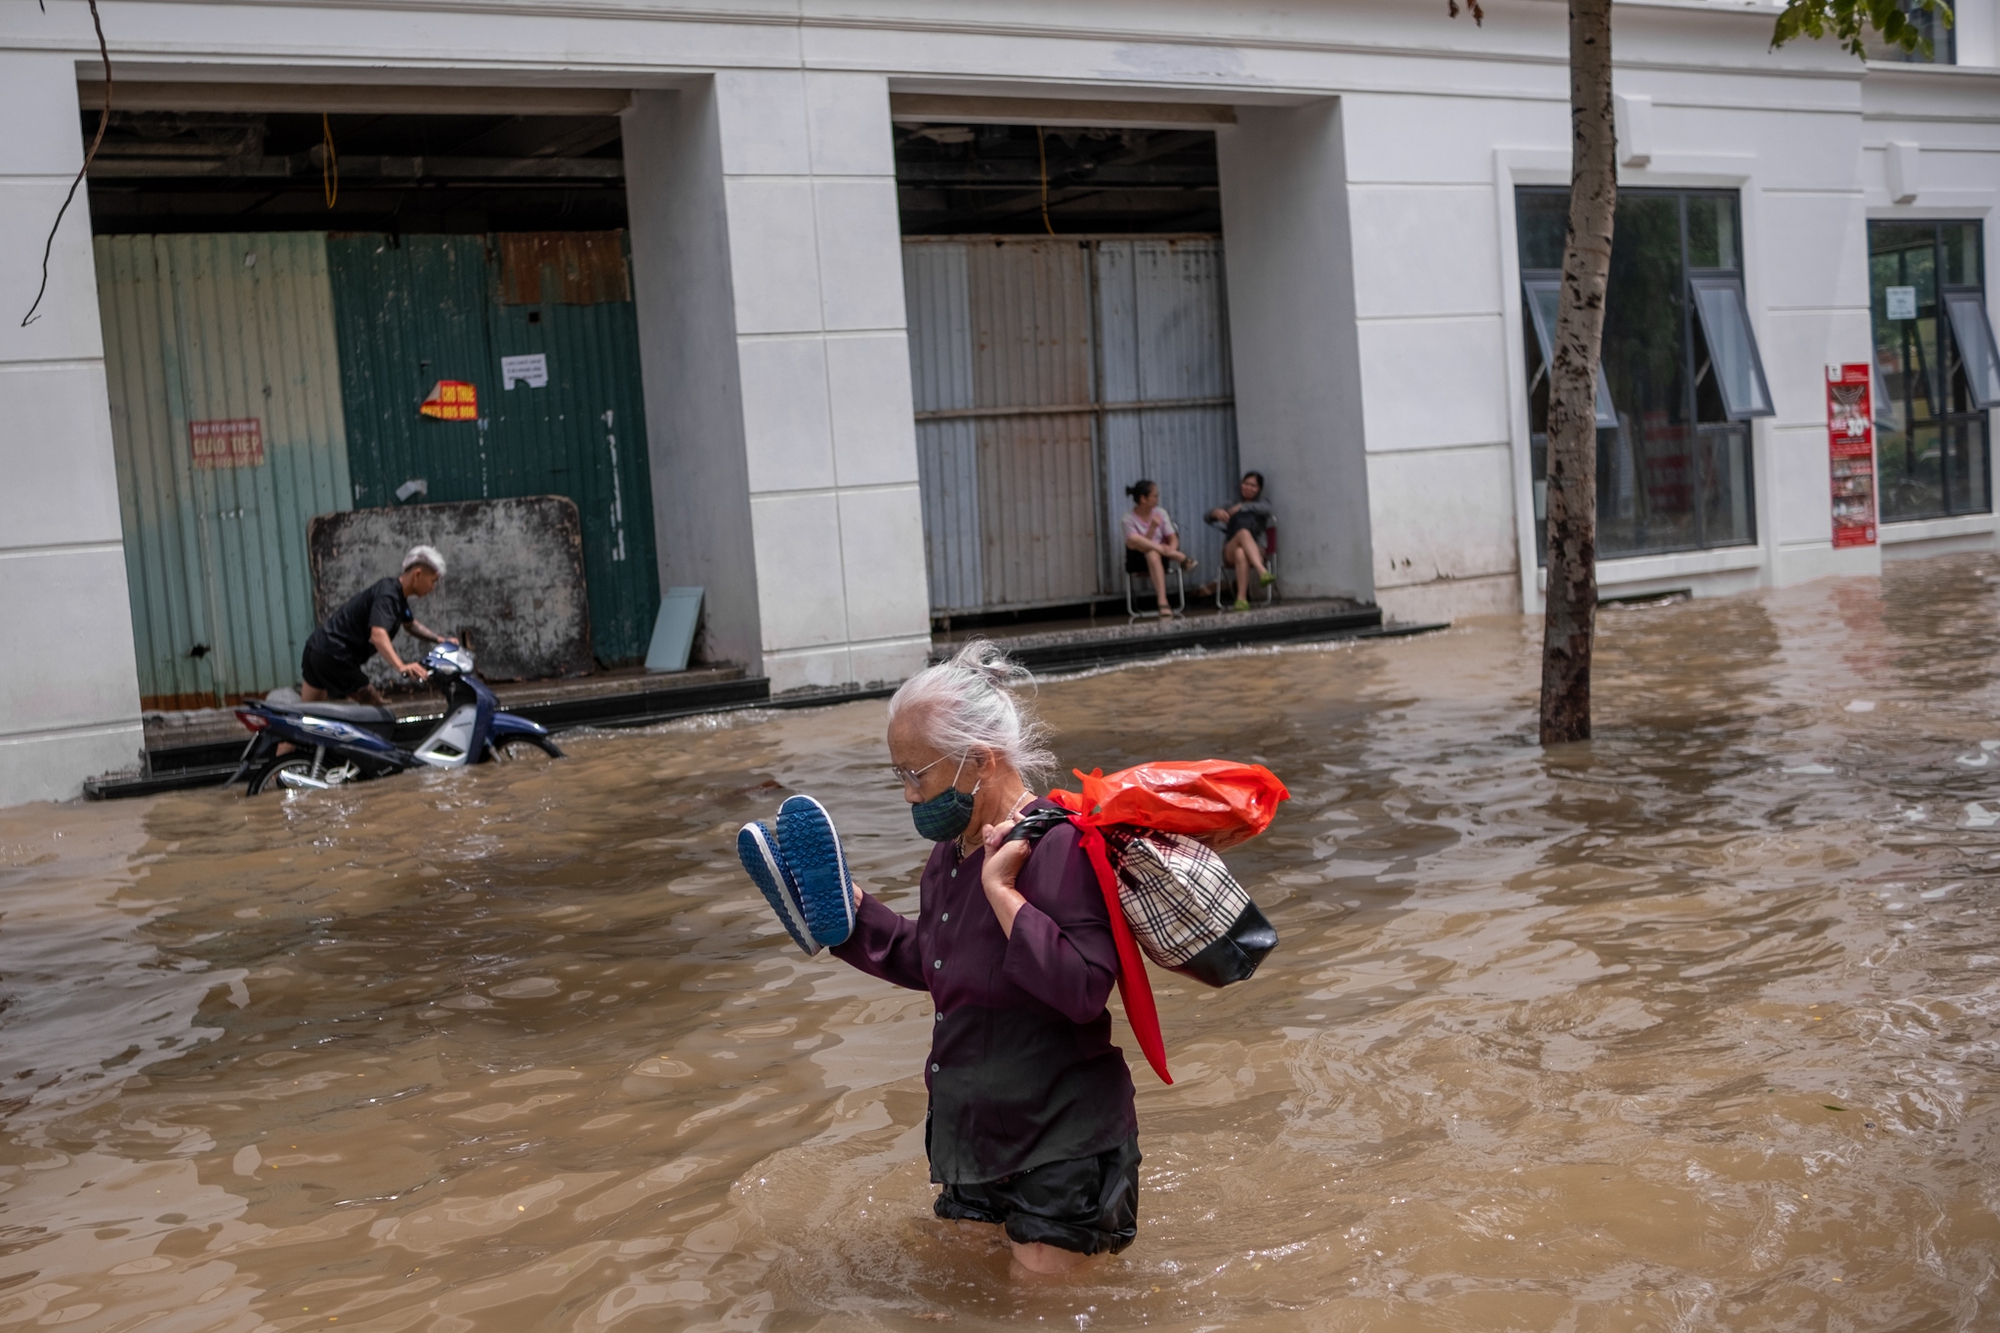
[1243, 525]
[1149, 530]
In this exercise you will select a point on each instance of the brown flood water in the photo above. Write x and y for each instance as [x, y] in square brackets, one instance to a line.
[1691, 1028]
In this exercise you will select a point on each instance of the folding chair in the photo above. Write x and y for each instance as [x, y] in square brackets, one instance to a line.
[1138, 573]
[1227, 575]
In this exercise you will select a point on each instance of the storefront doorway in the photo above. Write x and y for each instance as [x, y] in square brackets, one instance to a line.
[1055, 364]
[282, 293]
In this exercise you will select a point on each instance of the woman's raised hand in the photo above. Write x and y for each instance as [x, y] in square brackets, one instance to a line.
[1003, 862]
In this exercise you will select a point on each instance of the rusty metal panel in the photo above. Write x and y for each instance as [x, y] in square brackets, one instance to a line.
[562, 267]
[1164, 339]
[1050, 375]
[940, 323]
[228, 431]
[1031, 348]
[513, 592]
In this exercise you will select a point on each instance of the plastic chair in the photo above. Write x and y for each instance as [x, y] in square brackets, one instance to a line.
[1227, 574]
[1139, 573]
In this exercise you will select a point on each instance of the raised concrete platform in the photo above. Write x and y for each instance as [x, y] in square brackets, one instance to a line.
[1086, 642]
[201, 747]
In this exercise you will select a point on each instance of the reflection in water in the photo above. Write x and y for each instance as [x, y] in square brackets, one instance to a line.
[1692, 1027]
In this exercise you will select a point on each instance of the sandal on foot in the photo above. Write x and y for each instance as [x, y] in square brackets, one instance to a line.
[757, 848]
[1242, 604]
[812, 851]
[1267, 578]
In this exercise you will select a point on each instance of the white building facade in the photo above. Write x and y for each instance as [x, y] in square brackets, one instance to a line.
[1373, 162]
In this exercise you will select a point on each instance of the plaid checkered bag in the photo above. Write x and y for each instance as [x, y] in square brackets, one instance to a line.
[1184, 907]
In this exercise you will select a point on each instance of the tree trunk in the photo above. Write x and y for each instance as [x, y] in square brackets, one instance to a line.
[1569, 626]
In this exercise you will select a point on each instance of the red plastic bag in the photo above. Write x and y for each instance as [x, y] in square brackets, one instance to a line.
[1216, 801]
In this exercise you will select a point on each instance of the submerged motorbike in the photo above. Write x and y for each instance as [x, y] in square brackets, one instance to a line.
[342, 742]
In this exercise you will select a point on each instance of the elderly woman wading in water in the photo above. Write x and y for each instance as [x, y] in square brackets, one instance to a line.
[1031, 1124]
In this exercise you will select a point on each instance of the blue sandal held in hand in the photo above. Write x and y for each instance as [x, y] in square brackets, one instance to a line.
[757, 848]
[819, 868]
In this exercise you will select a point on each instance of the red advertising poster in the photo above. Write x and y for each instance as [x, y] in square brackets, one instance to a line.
[1850, 441]
[227, 443]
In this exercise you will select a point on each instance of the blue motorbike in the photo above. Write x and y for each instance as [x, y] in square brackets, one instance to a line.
[336, 743]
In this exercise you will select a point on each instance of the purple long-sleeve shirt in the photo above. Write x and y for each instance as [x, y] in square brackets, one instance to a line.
[1022, 1070]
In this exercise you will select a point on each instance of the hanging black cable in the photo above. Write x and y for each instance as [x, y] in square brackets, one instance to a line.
[103, 123]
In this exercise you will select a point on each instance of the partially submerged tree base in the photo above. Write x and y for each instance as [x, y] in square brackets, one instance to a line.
[1569, 623]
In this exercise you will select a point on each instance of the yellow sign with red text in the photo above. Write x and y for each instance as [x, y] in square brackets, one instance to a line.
[452, 400]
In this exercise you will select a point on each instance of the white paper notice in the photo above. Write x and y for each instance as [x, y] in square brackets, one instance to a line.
[533, 369]
[1902, 302]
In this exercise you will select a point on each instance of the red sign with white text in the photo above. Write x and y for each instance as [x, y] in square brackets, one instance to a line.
[1850, 441]
[226, 443]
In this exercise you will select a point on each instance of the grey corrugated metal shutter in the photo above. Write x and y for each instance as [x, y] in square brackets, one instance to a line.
[203, 336]
[1165, 352]
[1049, 375]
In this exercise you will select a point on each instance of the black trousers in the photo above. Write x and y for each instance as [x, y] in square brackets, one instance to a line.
[1086, 1204]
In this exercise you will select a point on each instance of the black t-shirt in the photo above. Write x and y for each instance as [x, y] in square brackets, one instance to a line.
[344, 636]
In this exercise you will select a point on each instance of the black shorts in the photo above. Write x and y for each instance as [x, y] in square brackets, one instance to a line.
[1244, 523]
[324, 671]
[1086, 1204]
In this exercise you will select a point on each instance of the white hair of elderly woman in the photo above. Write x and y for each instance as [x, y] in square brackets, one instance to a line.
[425, 555]
[967, 705]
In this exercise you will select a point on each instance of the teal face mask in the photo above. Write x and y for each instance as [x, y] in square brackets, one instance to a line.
[945, 815]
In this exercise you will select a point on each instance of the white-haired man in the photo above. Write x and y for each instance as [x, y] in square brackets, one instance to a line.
[366, 624]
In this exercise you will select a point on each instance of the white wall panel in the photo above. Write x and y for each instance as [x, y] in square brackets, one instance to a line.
[1801, 484]
[1811, 251]
[66, 326]
[1434, 383]
[882, 554]
[79, 671]
[847, 118]
[1434, 515]
[874, 436]
[799, 581]
[61, 484]
[764, 112]
[1418, 252]
[773, 255]
[861, 258]
[1798, 346]
[788, 436]
[1448, 140]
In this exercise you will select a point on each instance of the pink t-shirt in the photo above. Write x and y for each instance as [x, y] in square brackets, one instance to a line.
[1156, 527]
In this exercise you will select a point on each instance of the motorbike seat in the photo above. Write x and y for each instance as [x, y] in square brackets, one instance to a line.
[369, 716]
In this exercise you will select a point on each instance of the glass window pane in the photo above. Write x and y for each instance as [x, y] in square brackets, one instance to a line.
[1544, 299]
[1960, 243]
[1712, 231]
[1965, 466]
[1912, 472]
[1974, 336]
[1542, 218]
[1726, 501]
[1732, 347]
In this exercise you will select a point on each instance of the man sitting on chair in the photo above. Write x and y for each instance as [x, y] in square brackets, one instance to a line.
[366, 624]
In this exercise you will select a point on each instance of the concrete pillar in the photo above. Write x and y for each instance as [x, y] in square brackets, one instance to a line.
[768, 270]
[1293, 339]
[69, 707]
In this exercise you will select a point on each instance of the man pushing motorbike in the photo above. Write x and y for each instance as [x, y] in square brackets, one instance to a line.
[366, 624]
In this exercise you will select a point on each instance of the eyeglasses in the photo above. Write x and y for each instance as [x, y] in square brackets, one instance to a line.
[913, 778]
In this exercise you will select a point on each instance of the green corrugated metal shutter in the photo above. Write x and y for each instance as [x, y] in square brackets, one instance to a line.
[220, 329]
[424, 308]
